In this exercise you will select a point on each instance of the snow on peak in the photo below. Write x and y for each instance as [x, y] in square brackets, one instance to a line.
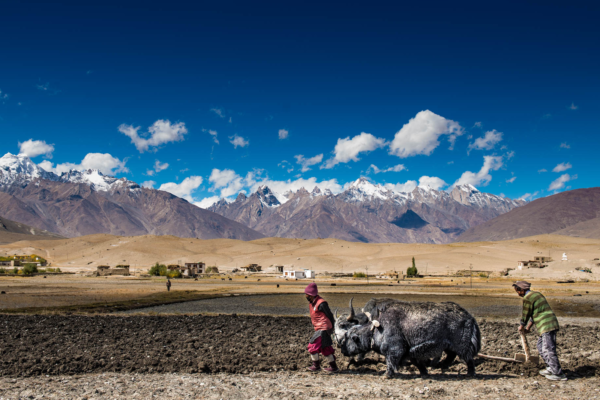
[467, 187]
[362, 189]
[97, 180]
[19, 168]
[267, 196]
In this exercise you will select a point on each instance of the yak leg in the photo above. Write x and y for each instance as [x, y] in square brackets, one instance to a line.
[393, 359]
[471, 367]
[450, 357]
[420, 365]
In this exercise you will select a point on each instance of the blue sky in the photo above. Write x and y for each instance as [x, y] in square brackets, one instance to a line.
[503, 96]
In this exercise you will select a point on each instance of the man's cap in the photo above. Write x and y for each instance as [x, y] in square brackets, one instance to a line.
[311, 289]
[522, 285]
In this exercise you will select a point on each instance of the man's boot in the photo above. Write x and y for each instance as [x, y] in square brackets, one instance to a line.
[333, 368]
[316, 363]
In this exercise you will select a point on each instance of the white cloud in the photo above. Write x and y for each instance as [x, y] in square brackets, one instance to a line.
[219, 112]
[158, 166]
[562, 167]
[405, 187]
[432, 181]
[207, 202]
[477, 124]
[564, 145]
[487, 142]
[307, 162]
[103, 162]
[283, 134]
[395, 168]
[228, 181]
[483, 177]
[183, 189]
[286, 165]
[33, 148]
[420, 135]
[528, 196]
[48, 166]
[573, 106]
[162, 131]
[43, 87]
[148, 184]
[213, 134]
[236, 141]
[542, 170]
[348, 149]
[4, 96]
[511, 180]
[559, 182]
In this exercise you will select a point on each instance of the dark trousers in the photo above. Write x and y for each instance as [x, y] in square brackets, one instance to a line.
[546, 346]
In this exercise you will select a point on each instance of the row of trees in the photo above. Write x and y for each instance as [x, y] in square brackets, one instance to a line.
[29, 269]
[162, 270]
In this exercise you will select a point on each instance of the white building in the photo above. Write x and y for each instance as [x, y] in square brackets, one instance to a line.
[294, 274]
[309, 273]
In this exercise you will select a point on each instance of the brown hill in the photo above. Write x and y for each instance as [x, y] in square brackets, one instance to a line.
[572, 213]
[11, 231]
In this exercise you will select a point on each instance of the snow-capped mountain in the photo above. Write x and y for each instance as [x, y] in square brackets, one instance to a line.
[88, 202]
[20, 170]
[367, 212]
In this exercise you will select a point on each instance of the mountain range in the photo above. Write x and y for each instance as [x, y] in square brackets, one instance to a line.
[571, 213]
[86, 202]
[80, 203]
[366, 212]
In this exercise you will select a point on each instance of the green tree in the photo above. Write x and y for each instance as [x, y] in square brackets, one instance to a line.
[30, 269]
[158, 270]
[174, 274]
[412, 271]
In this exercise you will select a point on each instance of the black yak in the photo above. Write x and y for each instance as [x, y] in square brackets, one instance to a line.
[418, 331]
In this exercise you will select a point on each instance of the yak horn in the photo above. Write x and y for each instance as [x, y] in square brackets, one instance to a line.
[351, 316]
[376, 324]
[335, 314]
[368, 314]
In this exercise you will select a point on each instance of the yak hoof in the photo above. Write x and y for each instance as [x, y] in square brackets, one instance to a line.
[388, 376]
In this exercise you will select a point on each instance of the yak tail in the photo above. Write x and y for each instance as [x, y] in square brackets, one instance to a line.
[475, 338]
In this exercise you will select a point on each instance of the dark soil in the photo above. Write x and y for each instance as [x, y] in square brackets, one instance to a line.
[49, 345]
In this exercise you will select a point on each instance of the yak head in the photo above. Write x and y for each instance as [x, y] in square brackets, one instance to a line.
[357, 340]
[346, 321]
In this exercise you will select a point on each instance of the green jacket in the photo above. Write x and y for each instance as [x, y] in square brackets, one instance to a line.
[536, 307]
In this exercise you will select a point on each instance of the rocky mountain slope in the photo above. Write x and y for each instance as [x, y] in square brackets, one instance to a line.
[367, 212]
[572, 213]
[87, 202]
[11, 231]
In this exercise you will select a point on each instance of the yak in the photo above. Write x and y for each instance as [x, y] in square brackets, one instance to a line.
[417, 331]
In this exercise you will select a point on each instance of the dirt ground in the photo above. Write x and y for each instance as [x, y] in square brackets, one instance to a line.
[252, 357]
[292, 386]
[53, 345]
